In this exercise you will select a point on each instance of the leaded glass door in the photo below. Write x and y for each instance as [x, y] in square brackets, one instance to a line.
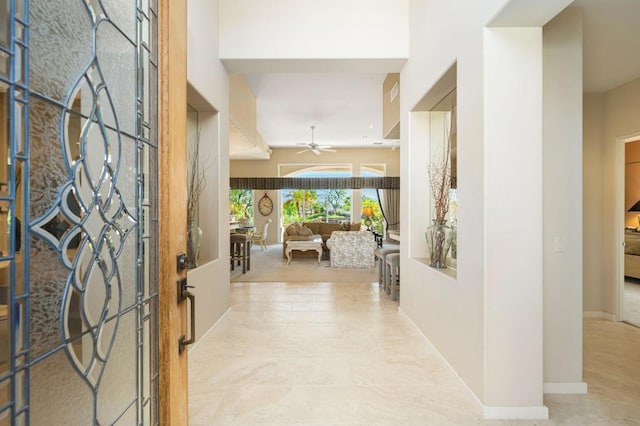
[78, 212]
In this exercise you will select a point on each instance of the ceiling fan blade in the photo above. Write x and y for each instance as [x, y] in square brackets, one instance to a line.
[304, 150]
[316, 151]
[327, 149]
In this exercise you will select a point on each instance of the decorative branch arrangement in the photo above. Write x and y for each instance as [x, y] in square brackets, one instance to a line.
[196, 181]
[440, 176]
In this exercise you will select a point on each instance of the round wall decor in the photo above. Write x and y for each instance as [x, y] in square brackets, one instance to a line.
[265, 205]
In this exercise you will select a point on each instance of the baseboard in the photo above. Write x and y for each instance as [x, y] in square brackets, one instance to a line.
[505, 413]
[565, 388]
[479, 404]
[599, 314]
[516, 413]
[195, 345]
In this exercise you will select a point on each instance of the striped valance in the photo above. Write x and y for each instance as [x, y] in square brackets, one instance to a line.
[387, 182]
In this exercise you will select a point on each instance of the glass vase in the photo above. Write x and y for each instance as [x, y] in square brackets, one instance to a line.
[439, 241]
[194, 237]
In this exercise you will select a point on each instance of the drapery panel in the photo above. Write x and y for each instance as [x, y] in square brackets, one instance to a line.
[389, 200]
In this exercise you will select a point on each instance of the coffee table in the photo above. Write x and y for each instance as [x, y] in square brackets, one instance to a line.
[313, 243]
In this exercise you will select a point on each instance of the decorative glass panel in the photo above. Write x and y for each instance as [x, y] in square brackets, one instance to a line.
[70, 214]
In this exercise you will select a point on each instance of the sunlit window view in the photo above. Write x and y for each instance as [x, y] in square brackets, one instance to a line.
[317, 205]
[241, 205]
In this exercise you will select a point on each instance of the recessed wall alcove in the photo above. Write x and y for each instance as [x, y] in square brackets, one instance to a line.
[432, 122]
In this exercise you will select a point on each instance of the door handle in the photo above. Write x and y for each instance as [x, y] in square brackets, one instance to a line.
[184, 294]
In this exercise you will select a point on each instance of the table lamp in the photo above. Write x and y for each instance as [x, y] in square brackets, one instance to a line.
[636, 208]
[367, 212]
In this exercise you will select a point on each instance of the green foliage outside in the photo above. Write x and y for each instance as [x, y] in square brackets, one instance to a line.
[333, 205]
[241, 203]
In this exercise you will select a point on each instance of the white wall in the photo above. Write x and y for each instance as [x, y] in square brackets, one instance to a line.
[593, 204]
[562, 184]
[258, 29]
[208, 78]
[513, 221]
[487, 322]
[449, 313]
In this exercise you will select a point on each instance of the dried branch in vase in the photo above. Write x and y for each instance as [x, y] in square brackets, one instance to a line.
[440, 178]
[196, 181]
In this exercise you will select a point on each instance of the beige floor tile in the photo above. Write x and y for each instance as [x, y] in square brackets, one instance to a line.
[341, 354]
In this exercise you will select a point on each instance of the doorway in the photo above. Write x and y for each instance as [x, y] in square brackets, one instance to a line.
[629, 282]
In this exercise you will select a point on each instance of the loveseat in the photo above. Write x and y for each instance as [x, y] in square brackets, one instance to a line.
[352, 249]
[302, 231]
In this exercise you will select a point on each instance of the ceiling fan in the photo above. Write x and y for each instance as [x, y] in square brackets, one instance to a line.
[314, 147]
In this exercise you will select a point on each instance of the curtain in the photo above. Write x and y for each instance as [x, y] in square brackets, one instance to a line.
[389, 200]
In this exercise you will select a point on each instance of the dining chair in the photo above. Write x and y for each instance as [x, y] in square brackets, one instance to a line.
[260, 237]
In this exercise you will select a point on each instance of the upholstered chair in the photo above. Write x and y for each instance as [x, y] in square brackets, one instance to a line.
[352, 249]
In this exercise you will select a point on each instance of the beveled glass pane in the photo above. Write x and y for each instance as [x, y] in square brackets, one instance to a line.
[144, 32]
[118, 387]
[4, 139]
[144, 6]
[144, 84]
[123, 15]
[18, 313]
[5, 334]
[5, 23]
[128, 418]
[19, 31]
[5, 61]
[114, 49]
[19, 8]
[126, 176]
[60, 46]
[18, 63]
[153, 37]
[47, 283]
[48, 168]
[51, 406]
[146, 357]
[19, 133]
[127, 266]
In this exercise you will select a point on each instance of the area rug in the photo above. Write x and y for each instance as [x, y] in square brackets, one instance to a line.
[632, 301]
[269, 266]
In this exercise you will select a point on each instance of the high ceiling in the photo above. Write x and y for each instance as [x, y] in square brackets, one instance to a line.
[611, 43]
[347, 108]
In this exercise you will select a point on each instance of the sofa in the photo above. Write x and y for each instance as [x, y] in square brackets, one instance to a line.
[302, 231]
[352, 249]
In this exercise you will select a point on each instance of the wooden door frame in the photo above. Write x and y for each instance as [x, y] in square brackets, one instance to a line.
[172, 206]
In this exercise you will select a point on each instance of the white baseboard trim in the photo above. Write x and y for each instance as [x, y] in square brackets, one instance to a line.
[599, 314]
[195, 345]
[565, 388]
[479, 404]
[513, 413]
[506, 413]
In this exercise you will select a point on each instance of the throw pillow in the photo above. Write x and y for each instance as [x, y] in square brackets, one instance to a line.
[304, 231]
[345, 226]
[299, 230]
[292, 230]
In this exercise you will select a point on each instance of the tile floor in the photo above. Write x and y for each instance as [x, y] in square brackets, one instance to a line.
[340, 354]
